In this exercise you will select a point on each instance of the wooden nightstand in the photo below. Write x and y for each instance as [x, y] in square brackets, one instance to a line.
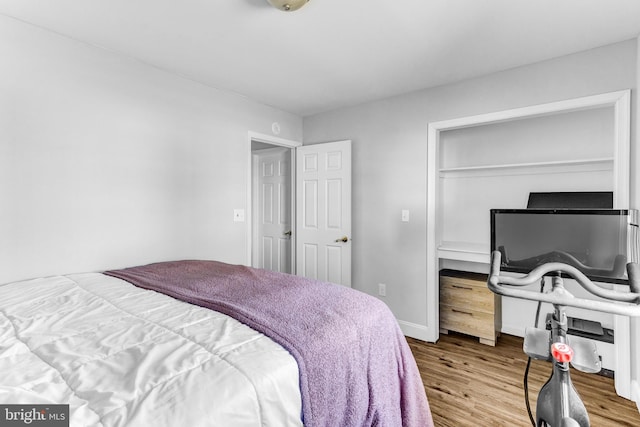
[468, 306]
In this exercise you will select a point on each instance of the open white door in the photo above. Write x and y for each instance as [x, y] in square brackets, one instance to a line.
[323, 212]
[272, 210]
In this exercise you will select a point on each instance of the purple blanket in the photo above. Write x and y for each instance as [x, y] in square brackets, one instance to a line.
[356, 368]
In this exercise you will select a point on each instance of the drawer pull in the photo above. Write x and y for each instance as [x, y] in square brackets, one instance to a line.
[461, 287]
[461, 312]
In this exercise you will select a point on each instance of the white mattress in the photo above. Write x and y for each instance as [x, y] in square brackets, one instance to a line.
[121, 355]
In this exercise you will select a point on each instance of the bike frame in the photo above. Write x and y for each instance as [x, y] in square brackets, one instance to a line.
[559, 404]
[558, 399]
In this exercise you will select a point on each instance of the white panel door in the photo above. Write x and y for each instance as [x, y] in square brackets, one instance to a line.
[274, 213]
[323, 212]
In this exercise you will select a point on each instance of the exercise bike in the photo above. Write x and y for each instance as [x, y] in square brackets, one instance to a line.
[559, 404]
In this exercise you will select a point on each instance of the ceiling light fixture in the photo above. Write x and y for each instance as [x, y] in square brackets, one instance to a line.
[288, 5]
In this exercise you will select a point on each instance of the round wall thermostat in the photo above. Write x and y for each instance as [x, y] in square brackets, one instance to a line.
[275, 128]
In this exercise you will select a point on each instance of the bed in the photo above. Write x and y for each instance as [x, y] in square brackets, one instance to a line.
[204, 343]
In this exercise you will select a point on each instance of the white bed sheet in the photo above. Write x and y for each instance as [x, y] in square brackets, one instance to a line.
[121, 355]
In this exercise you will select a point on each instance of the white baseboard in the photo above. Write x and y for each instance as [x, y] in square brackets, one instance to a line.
[635, 393]
[413, 330]
[420, 332]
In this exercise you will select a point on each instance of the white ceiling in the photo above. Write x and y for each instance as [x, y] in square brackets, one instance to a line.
[334, 53]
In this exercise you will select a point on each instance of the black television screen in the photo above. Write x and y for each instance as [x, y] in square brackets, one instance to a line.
[599, 242]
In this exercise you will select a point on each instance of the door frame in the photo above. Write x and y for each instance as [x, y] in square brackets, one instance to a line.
[276, 142]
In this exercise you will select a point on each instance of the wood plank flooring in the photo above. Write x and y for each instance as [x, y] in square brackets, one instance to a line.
[471, 384]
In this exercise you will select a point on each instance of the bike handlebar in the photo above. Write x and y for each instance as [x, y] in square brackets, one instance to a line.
[501, 285]
[633, 271]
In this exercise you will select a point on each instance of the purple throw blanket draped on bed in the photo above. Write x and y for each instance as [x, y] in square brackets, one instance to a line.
[356, 368]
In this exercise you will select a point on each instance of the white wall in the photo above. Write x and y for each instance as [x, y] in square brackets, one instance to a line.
[389, 151]
[107, 162]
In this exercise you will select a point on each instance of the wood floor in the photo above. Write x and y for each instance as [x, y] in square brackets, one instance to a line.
[470, 384]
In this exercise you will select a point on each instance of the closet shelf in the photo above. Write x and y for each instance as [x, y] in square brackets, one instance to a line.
[464, 251]
[575, 162]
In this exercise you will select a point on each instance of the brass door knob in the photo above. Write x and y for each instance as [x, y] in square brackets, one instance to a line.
[344, 239]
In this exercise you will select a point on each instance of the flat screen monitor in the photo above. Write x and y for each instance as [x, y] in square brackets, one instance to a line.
[598, 242]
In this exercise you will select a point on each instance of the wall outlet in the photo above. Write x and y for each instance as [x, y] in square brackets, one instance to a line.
[382, 289]
[405, 215]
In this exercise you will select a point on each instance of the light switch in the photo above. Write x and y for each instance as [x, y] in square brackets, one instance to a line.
[238, 215]
[405, 215]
